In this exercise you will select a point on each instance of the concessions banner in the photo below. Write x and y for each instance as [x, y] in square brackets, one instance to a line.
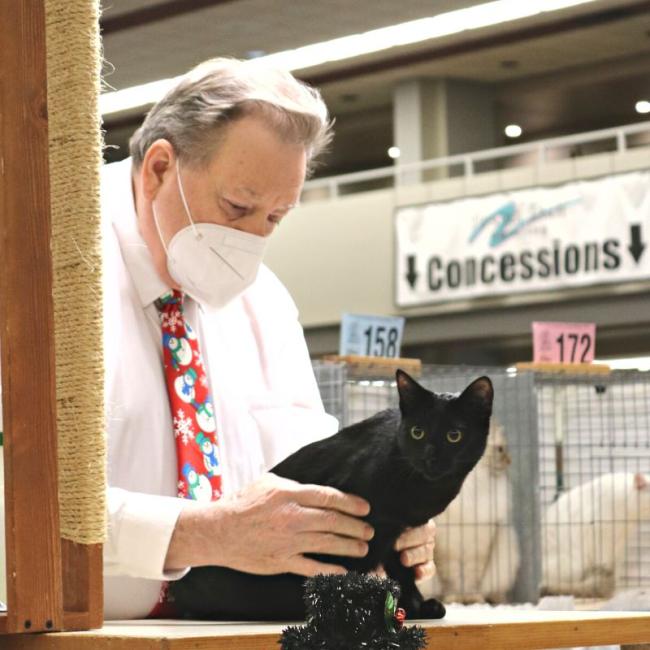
[573, 235]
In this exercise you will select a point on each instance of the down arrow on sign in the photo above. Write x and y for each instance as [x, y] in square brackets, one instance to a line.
[636, 246]
[412, 275]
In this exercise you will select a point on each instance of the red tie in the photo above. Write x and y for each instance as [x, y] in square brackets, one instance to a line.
[199, 469]
[192, 410]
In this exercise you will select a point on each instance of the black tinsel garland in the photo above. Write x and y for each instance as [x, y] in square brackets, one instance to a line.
[352, 611]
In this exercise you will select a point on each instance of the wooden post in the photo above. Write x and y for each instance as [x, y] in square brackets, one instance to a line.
[83, 598]
[35, 599]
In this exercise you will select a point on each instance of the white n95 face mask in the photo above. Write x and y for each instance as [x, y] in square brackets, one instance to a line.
[213, 264]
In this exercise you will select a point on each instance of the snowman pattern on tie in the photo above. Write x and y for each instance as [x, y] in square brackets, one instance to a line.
[179, 349]
[184, 386]
[209, 451]
[205, 416]
[197, 449]
[199, 487]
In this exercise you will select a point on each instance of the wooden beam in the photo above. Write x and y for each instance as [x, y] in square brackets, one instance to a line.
[83, 601]
[462, 629]
[34, 593]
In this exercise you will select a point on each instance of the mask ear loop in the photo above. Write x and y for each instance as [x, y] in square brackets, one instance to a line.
[184, 200]
[187, 211]
[160, 235]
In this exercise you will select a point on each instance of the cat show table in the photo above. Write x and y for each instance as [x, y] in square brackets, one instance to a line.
[462, 629]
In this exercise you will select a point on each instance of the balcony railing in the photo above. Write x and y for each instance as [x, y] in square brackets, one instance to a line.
[537, 154]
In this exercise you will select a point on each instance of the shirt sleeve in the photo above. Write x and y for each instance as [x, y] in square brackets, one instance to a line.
[140, 528]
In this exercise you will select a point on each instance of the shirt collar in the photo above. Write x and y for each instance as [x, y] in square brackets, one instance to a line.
[117, 189]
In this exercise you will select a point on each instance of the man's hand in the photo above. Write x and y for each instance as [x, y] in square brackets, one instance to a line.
[415, 547]
[269, 526]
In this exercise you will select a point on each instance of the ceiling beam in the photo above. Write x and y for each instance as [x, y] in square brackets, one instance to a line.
[424, 56]
[481, 43]
[155, 13]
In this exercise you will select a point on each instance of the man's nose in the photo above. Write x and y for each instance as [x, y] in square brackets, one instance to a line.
[258, 224]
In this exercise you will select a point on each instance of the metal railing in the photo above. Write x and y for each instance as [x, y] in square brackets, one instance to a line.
[409, 173]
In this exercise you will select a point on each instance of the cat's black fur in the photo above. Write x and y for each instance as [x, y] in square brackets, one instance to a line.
[406, 481]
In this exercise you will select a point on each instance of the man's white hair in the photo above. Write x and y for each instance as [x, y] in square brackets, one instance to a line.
[193, 114]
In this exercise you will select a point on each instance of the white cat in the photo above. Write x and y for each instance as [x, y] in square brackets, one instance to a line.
[477, 551]
[586, 531]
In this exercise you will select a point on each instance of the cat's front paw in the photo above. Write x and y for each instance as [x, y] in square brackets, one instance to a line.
[432, 608]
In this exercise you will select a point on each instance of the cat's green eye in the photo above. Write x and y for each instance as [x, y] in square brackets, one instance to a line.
[454, 436]
[417, 433]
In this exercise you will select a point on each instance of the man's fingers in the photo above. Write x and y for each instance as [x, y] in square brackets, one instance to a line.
[320, 496]
[331, 521]
[413, 537]
[295, 519]
[332, 545]
[426, 570]
[417, 555]
[307, 567]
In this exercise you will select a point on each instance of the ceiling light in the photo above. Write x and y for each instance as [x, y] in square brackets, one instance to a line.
[394, 152]
[414, 31]
[135, 96]
[254, 54]
[643, 106]
[513, 130]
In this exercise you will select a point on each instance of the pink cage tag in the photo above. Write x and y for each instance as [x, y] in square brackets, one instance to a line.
[564, 342]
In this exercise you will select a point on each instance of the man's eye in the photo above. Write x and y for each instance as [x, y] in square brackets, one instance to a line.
[236, 207]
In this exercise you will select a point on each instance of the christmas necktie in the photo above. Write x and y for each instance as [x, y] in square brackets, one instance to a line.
[199, 470]
[192, 410]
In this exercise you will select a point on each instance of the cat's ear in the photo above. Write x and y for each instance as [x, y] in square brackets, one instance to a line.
[640, 481]
[479, 394]
[410, 392]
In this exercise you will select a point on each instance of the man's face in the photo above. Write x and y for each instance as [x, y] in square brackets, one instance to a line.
[251, 183]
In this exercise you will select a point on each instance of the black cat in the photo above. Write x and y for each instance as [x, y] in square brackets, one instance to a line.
[408, 463]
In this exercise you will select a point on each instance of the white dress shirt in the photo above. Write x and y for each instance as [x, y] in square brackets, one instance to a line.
[266, 399]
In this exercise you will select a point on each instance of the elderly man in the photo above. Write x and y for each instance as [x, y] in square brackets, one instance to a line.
[209, 381]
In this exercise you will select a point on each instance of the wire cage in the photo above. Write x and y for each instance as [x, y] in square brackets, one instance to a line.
[594, 434]
[559, 504]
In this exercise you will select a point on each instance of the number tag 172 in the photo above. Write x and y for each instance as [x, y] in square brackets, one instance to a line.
[564, 342]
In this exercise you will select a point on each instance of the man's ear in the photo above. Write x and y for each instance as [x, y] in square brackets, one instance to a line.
[159, 160]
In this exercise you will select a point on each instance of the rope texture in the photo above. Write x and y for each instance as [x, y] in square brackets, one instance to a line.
[75, 140]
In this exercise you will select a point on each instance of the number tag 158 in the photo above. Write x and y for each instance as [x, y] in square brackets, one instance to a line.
[371, 336]
[564, 342]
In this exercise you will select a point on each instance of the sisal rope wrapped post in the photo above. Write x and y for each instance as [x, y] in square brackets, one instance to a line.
[73, 83]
